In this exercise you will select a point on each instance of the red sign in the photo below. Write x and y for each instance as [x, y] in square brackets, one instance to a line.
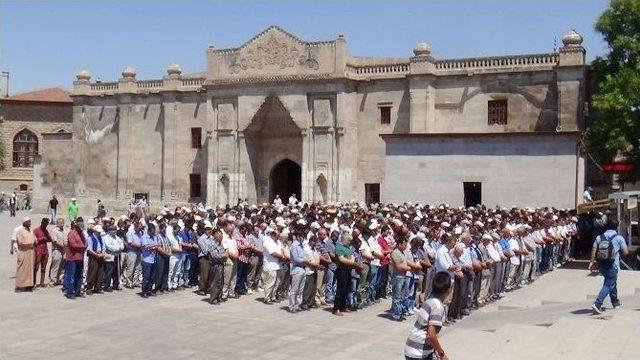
[617, 167]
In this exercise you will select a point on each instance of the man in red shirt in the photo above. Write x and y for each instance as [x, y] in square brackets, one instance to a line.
[74, 259]
[42, 251]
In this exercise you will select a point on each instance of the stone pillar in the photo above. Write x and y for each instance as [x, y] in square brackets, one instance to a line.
[306, 192]
[570, 74]
[169, 134]
[421, 90]
[212, 143]
[125, 137]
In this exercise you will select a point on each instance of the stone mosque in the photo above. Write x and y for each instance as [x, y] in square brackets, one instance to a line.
[279, 115]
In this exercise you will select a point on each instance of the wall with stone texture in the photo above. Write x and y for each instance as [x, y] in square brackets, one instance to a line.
[461, 102]
[39, 119]
[522, 170]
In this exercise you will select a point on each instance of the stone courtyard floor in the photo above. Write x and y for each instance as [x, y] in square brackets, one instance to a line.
[548, 319]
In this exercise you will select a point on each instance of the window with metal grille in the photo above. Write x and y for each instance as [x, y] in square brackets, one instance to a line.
[385, 114]
[195, 186]
[497, 112]
[196, 138]
[372, 193]
[25, 149]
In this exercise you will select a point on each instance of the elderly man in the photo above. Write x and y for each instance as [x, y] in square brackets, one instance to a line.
[113, 246]
[96, 254]
[204, 245]
[230, 266]
[255, 259]
[57, 251]
[132, 268]
[217, 257]
[25, 270]
[272, 256]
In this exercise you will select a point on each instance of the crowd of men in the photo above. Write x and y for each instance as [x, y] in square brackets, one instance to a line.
[311, 255]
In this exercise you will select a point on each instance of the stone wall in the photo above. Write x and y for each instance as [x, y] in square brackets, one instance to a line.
[516, 169]
[37, 118]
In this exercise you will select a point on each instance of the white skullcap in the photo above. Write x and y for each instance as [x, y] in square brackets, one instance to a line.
[478, 223]
[315, 225]
[445, 224]
[373, 226]
[97, 228]
[281, 223]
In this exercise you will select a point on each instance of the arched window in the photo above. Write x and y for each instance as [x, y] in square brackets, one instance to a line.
[25, 149]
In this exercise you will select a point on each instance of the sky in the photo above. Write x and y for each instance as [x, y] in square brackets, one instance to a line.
[45, 43]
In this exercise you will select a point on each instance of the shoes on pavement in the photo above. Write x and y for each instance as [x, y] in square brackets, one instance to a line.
[597, 309]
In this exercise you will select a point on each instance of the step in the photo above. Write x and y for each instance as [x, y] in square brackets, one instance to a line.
[468, 344]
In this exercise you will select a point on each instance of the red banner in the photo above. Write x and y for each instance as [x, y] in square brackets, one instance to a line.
[617, 167]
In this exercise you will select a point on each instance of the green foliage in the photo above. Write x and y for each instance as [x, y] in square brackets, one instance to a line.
[614, 126]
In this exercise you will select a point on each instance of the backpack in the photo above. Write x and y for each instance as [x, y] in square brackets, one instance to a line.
[605, 250]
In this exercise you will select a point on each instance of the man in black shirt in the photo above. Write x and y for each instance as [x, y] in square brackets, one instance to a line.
[53, 208]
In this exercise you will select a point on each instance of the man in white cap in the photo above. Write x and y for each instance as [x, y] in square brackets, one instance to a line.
[272, 255]
[73, 209]
[25, 240]
[96, 255]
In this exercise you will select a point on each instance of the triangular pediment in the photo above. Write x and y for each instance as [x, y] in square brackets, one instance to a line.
[273, 31]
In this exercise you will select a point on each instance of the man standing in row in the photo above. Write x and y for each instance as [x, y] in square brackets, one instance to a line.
[25, 240]
[57, 251]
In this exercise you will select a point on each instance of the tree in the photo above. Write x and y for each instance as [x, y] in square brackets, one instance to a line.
[614, 127]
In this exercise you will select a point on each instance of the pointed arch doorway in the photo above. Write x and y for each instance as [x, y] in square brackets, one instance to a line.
[274, 144]
[285, 179]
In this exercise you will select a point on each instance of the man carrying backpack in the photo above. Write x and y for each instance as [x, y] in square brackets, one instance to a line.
[606, 253]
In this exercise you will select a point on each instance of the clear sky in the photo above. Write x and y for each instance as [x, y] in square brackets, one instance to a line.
[44, 43]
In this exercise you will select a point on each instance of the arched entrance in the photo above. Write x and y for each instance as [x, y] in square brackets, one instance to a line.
[272, 134]
[285, 179]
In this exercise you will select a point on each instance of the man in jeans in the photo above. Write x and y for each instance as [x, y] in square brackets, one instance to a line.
[608, 269]
[399, 284]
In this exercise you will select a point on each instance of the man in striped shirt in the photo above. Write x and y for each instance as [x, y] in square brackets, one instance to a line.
[422, 342]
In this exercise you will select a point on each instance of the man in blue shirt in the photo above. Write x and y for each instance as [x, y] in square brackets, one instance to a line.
[298, 272]
[608, 268]
[149, 245]
[131, 268]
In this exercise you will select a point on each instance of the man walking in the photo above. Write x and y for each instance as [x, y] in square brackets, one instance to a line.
[53, 207]
[73, 209]
[606, 253]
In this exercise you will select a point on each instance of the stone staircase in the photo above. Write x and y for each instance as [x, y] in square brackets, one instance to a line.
[551, 319]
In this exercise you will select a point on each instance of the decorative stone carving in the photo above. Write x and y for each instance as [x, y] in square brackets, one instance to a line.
[273, 52]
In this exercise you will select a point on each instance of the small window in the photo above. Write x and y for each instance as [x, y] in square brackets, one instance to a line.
[196, 138]
[195, 186]
[23, 187]
[385, 114]
[372, 193]
[497, 112]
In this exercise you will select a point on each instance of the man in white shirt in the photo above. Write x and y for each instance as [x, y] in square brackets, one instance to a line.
[270, 265]
[231, 246]
[586, 195]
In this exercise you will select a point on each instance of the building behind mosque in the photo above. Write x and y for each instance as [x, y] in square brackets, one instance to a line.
[279, 115]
